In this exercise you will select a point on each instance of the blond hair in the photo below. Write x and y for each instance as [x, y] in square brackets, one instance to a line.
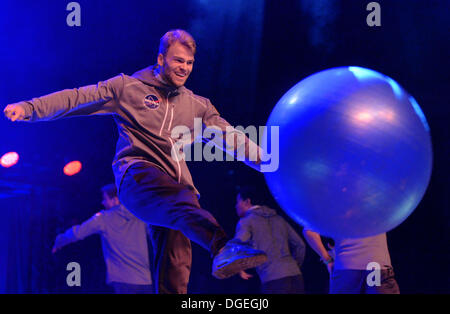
[177, 35]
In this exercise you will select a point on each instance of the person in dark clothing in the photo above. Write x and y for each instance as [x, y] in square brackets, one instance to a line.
[263, 229]
[155, 113]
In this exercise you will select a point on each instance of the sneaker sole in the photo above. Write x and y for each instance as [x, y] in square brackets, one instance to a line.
[238, 265]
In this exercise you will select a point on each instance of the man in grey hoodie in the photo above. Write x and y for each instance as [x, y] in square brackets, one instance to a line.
[151, 176]
[124, 243]
[261, 227]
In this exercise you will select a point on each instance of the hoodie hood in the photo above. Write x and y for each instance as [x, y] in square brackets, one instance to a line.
[263, 211]
[123, 212]
[150, 77]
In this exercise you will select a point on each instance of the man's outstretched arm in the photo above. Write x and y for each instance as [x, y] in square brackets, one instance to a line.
[92, 99]
[235, 142]
[79, 232]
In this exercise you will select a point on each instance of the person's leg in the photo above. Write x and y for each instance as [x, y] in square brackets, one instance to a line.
[285, 285]
[128, 288]
[347, 281]
[277, 286]
[297, 285]
[154, 197]
[118, 288]
[146, 289]
[172, 259]
[388, 284]
[157, 199]
[272, 286]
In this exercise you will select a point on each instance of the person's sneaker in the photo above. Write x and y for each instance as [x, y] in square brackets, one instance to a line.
[236, 257]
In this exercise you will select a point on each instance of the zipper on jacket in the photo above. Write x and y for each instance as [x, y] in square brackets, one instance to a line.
[171, 118]
[165, 115]
[178, 162]
[168, 129]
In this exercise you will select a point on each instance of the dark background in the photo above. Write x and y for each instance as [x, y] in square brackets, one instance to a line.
[249, 54]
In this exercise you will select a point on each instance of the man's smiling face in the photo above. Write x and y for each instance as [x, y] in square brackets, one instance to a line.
[176, 65]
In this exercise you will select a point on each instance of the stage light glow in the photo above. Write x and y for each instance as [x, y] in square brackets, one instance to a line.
[72, 168]
[9, 159]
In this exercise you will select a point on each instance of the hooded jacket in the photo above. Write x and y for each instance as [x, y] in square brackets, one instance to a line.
[264, 230]
[124, 243]
[146, 112]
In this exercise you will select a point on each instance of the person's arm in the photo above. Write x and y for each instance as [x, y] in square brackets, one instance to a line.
[315, 241]
[92, 99]
[235, 142]
[296, 244]
[243, 231]
[243, 234]
[79, 232]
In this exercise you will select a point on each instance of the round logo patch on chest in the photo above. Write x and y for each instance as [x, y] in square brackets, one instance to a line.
[151, 101]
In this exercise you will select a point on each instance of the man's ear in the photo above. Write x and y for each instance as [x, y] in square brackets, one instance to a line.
[116, 201]
[160, 59]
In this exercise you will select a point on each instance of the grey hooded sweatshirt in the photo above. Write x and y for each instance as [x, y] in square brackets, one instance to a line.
[262, 228]
[124, 242]
[151, 118]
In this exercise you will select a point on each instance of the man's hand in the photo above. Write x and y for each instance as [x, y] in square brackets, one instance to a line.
[14, 112]
[330, 267]
[57, 246]
[244, 275]
[54, 250]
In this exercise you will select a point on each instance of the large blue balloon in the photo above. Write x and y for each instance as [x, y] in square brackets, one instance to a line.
[355, 153]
